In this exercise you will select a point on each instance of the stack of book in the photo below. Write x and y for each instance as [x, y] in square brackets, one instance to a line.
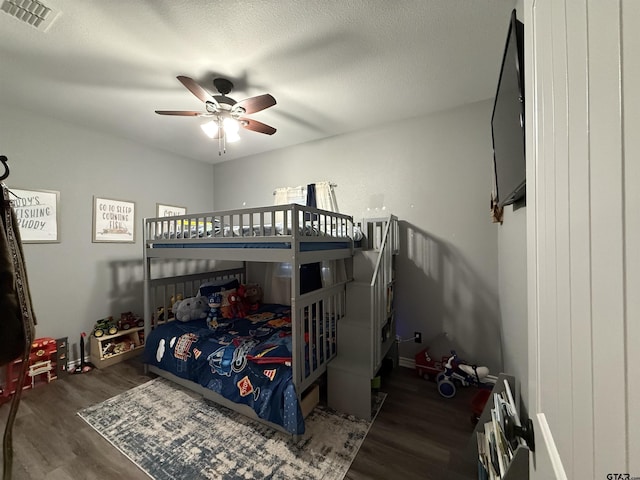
[497, 443]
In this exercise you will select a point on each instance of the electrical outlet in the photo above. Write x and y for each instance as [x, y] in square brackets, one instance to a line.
[417, 336]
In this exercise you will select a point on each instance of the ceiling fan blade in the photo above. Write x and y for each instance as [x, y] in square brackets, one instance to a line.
[184, 113]
[255, 104]
[256, 126]
[197, 90]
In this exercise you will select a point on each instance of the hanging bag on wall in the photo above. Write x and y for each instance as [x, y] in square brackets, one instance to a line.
[17, 323]
[16, 319]
[12, 343]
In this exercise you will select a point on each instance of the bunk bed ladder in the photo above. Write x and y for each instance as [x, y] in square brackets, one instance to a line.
[366, 335]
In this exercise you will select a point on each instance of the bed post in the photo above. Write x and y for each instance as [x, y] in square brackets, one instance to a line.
[145, 285]
[297, 346]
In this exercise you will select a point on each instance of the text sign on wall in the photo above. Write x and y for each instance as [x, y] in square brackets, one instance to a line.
[170, 210]
[37, 214]
[113, 220]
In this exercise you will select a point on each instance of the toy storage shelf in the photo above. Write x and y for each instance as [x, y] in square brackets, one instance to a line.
[129, 341]
[514, 466]
[517, 466]
[47, 360]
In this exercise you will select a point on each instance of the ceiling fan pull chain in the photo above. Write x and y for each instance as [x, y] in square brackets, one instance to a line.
[222, 148]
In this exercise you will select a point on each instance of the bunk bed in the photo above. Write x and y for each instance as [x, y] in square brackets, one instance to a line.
[263, 364]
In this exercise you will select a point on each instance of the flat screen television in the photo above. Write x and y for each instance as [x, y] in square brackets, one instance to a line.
[507, 120]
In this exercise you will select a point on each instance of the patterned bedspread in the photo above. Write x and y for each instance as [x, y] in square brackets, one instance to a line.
[246, 360]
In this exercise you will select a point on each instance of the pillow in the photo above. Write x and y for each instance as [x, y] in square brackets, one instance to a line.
[209, 288]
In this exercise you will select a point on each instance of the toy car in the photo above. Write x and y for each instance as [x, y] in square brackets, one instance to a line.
[105, 326]
[129, 320]
[428, 367]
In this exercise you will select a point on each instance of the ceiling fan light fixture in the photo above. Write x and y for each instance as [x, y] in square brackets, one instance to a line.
[231, 127]
[210, 128]
[225, 113]
[217, 128]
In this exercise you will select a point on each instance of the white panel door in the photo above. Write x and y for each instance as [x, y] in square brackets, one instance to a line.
[630, 17]
[583, 236]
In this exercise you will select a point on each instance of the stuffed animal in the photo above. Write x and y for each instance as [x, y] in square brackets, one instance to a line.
[174, 299]
[215, 300]
[252, 296]
[226, 310]
[231, 306]
[237, 306]
[192, 308]
[237, 303]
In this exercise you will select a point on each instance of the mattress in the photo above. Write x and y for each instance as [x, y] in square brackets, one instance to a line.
[246, 360]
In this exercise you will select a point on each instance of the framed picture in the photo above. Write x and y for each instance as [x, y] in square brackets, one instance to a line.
[37, 214]
[169, 210]
[113, 220]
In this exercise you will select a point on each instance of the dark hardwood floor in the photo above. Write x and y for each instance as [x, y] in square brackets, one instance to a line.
[417, 434]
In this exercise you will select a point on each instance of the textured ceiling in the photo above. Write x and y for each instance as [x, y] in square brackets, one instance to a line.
[333, 66]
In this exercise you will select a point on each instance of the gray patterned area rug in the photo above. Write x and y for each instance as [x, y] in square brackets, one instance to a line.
[171, 433]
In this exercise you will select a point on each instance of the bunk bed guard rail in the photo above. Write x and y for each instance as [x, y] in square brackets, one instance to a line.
[261, 224]
[383, 236]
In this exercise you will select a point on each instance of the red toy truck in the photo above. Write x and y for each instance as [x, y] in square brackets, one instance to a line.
[428, 367]
[129, 320]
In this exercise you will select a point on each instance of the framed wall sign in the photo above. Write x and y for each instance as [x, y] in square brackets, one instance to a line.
[113, 220]
[37, 214]
[169, 210]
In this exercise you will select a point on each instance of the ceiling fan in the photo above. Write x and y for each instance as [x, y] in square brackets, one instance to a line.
[225, 114]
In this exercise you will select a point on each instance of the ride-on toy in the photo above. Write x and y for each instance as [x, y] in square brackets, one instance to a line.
[429, 367]
[460, 373]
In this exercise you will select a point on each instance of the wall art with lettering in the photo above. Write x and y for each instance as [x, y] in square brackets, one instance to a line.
[113, 220]
[37, 214]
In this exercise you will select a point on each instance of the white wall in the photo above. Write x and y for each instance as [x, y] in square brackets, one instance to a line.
[512, 267]
[512, 259]
[76, 282]
[434, 173]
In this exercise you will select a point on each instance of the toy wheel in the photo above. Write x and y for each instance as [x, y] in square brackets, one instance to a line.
[126, 326]
[98, 333]
[140, 323]
[428, 377]
[113, 330]
[447, 388]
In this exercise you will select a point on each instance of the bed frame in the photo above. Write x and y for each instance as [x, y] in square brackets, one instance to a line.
[287, 233]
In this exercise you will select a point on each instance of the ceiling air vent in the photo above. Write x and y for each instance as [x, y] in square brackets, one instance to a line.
[32, 12]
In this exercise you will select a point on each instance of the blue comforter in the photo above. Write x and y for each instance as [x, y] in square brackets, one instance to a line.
[246, 360]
